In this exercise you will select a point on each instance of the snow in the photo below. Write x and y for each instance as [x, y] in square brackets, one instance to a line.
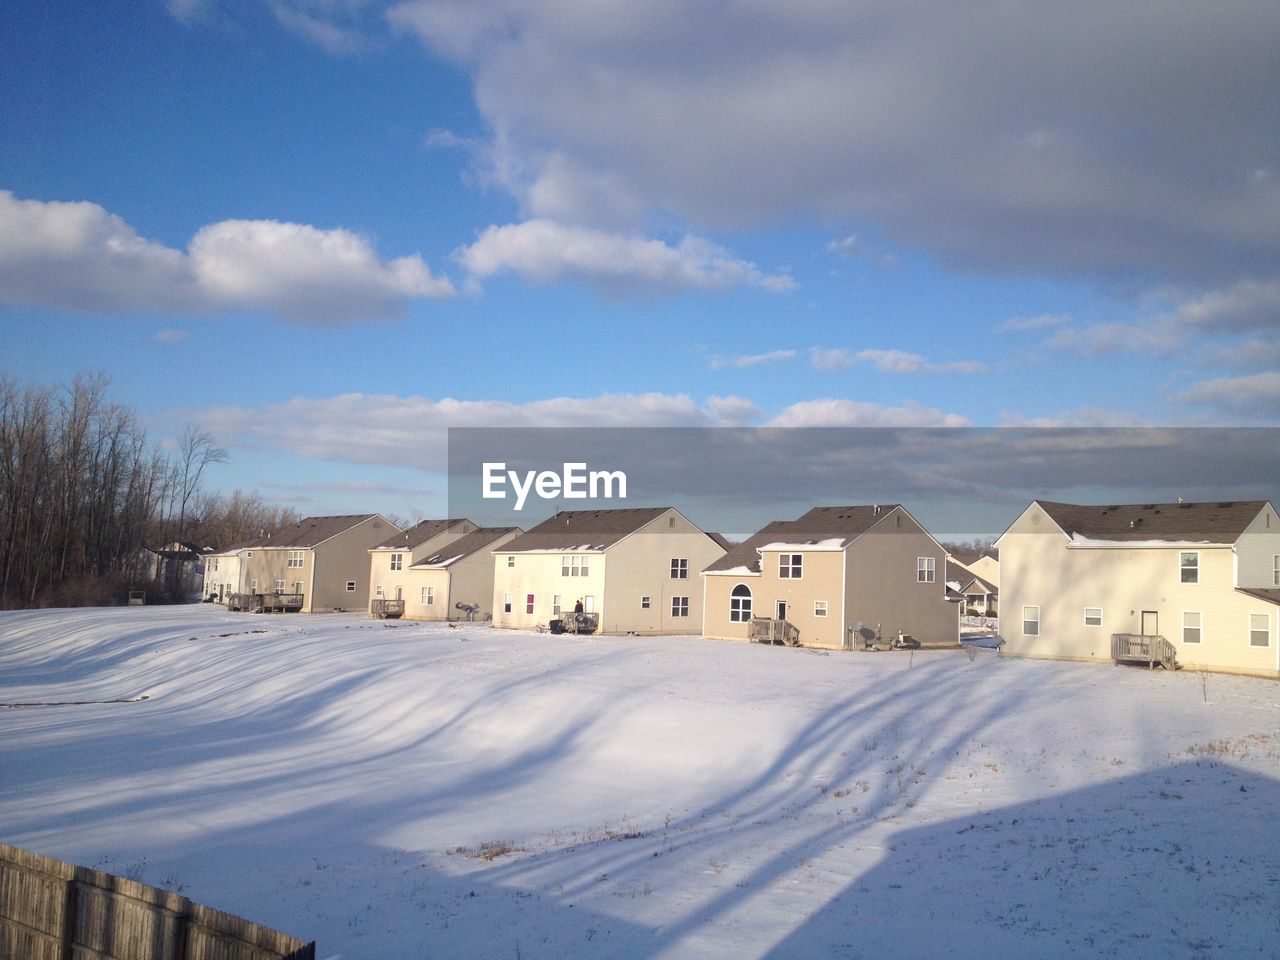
[415, 789]
[830, 544]
[1079, 541]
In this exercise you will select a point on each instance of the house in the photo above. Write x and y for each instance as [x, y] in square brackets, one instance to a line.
[389, 561]
[977, 593]
[841, 576]
[1204, 576]
[456, 581]
[224, 572]
[988, 568]
[178, 568]
[635, 569]
[325, 559]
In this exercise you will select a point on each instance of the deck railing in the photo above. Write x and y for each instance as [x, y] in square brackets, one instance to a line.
[385, 609]
[1143, 648]
[768, 630]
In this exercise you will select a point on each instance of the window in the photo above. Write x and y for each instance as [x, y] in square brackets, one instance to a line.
[1259, 630]
[555, 604]
[506, 603]
[679, 569]
[377, 591]
[1030, 621]
[1093, 616]
[248, 554]
[1190, 566]
[428, 597]
[1275, 570]
[279, 586]
[295, 558]
[397, 561]
[511, 561]
[351, 586]
[820, 608]
[528, 603]
[644, 603]
[679, 606]
[790, 566]
[297, 586]
[925, 569]
[1190, 626]
[253, 586]
[213, 564]
[740, 604]
[588, 604]
[574, 567]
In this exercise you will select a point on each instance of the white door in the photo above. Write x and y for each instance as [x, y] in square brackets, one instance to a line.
[781, 610]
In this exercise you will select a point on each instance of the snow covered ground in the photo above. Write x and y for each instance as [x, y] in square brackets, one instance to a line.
[411, 790]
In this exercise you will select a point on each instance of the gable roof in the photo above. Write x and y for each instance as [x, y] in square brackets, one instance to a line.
[312, 531]
[966, 581]
[1210, 522]
[419, 533]
[578, 530]
[819, 525]
[463, 547]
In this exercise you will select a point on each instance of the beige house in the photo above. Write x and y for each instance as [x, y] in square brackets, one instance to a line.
[988, 568]
[456, 581]
[978, 594]
[389, 561]
[326, 559]
[636, 569]
[1205, 576]
[842, 576]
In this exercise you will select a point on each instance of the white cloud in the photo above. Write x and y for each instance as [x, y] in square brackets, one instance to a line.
[831, 359]
[855, 413]
[898, 361]
[745, 361]
[926, 123]
[733, 411]
[1160, 335]
[1256, 397]
[77, 256]
[545, 250]
[1080, 417]
[1248, 305]
[855, 248]
[1044, 321]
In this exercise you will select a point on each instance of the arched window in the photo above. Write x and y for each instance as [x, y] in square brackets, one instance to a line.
[740, 604]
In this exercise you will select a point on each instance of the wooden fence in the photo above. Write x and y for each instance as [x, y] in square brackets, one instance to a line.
[50, 910]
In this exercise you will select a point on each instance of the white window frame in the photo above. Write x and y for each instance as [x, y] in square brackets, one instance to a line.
[296, 559]
[1031, 619]
[926, 569]
[279, 586]
[646, 603]
[511, 560]
[555, 604]
[575, 566]
[397, 561]
[1088, 619]
[679, 608]
[1275, 570]
[820, 609]
[528, 603]
[253, 586]
[1265, 630]
[1198, 627]
[297, 586]
[427, 596]
[679, 568]
[791, 566]
[377, 591]
[1184, 568]
[506, 603]
[740, 606]
[351, 586]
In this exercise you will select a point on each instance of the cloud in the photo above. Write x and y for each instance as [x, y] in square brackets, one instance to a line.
[889, 361]
[170, 336]
[1081, 417]
[1044, 321]
[1032, 138]
[744, 361]
[733, 411]
[1247, 306]
[1161, 335]
[854, 248]
[1256, 397]
[545, 250]
[77, 256]
[854, 413]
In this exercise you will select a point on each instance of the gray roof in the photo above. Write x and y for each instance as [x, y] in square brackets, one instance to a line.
[1176, 522]
[474, 542]
[575, 530]
[820, 523]
[970, 582]
[310, 531]
[419, 533]
[1262, 593]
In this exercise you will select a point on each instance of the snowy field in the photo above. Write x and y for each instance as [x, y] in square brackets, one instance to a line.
[410, 790]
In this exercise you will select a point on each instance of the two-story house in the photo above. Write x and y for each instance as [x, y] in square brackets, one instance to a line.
[1205, 576]
[842, 576]
[636, 569]
[389, 562]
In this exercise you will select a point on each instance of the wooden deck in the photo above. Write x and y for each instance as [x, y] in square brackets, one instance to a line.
[385, 609]
[767, 630]
[1141, 648]
[265, 602]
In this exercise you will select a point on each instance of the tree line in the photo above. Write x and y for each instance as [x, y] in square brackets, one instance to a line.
[84, 493]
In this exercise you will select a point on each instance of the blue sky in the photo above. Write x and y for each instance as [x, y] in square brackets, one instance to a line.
[323, 229]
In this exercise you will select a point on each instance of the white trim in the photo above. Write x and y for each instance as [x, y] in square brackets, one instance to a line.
[1101, 618]
[1199, 628]
[1023, 620]
[1259, 646]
